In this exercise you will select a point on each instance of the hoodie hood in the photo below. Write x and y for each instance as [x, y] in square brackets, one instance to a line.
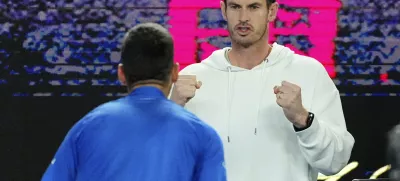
[279, 55]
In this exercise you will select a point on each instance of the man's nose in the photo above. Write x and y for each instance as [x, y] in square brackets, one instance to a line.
[244, 15]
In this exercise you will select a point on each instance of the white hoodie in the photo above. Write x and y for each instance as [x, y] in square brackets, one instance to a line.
[236, 102]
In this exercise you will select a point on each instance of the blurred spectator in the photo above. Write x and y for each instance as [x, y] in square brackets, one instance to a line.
[394, 152]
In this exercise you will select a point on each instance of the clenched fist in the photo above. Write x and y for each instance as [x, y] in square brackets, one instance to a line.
[184, 89]
[288, 96]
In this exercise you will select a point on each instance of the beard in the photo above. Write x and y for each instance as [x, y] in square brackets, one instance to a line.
[249, 39]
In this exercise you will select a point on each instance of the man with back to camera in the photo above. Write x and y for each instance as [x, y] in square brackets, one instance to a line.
[279, 113]
[143, 136]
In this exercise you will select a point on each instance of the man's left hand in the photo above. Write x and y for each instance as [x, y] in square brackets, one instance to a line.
[288, 96]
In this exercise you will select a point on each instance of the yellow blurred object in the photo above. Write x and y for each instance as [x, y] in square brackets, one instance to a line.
[348, 168]
[380, 171]
[322, 176]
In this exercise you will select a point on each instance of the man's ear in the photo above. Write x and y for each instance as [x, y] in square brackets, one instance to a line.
[121, 74]
[223, 9]
[175, 72]
[273, 11]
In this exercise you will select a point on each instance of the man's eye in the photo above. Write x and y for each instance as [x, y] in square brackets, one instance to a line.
[253, 7]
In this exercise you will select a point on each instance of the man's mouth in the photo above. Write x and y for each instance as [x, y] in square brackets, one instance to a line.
[243, 30]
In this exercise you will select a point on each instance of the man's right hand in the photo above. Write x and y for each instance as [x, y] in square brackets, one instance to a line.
[184, 89]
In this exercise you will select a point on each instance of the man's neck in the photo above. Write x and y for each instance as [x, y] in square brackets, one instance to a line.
[249, 57]
[164, 89]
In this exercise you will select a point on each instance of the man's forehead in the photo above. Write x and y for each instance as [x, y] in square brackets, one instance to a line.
[246, 2]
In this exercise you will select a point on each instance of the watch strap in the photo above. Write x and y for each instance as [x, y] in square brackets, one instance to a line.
[310, 119]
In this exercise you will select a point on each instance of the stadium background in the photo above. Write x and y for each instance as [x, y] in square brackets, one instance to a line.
[58, 60]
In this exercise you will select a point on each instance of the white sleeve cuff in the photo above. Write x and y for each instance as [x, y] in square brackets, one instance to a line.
[311, 133]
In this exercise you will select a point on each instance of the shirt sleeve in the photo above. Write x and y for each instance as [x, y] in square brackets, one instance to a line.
[64, 163]
[326, 144]
[211, 164]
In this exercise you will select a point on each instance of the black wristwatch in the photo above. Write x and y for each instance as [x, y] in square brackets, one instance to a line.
[309, 121]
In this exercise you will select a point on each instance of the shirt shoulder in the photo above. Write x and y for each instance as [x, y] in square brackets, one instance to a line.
[307, 62]
[196, 68]
[306, 68]
[190, 120]
[180, 113]
[98, 114]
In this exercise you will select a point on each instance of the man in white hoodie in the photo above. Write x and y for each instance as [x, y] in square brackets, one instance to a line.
[279, 113]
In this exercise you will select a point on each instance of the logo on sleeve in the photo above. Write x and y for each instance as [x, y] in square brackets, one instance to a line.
[53, 161]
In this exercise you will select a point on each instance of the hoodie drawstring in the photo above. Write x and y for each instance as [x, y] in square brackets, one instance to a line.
[229, 102]
[230, 94]
[261, 95]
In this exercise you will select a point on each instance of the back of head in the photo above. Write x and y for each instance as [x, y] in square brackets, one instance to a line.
[394, 152]
[147, 55]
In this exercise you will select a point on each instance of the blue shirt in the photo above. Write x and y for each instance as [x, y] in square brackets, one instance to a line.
[141, 137]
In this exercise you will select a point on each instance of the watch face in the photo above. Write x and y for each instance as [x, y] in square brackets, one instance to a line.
[310, 118]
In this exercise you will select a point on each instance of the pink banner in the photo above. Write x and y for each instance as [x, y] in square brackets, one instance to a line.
[318, 24]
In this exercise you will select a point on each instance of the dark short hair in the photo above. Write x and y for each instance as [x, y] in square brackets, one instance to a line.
[269, 2]
[394, 152]
[147, 54]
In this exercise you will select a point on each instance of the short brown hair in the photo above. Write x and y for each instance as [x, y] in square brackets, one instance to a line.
[269, 2]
